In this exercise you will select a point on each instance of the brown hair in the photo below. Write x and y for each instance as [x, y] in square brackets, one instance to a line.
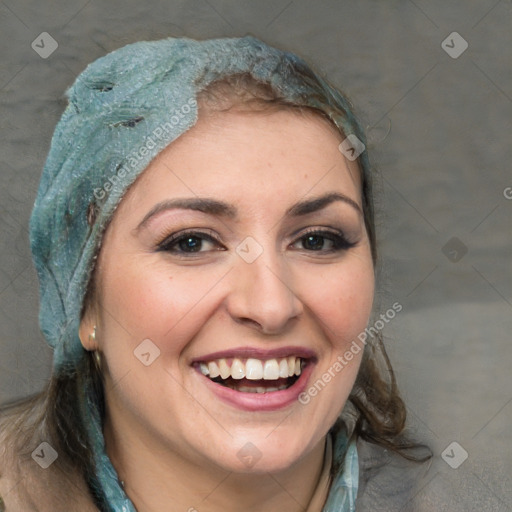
[375, 411]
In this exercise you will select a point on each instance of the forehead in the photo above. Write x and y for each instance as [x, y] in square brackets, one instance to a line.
[257, 156]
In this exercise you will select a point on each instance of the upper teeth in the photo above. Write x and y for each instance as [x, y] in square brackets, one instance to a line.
[253, 369]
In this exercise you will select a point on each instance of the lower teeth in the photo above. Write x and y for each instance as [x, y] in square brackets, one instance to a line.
[246, 389]
[243, 388]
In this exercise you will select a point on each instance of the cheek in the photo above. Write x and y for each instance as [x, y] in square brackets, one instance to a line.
[342, 300]
[150, 300]
[141, 299]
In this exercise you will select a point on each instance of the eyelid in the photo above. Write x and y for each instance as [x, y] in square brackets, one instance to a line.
[173, 238]
[337, 236]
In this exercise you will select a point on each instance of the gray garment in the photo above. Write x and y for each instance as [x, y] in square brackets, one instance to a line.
[388, 482]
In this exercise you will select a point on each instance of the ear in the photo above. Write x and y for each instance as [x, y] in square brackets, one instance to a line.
[87, 331]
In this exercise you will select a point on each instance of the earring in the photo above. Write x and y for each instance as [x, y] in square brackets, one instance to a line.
[97, 355]
[92, 336]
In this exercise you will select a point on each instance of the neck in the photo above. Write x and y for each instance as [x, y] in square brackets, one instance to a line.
[156, 478]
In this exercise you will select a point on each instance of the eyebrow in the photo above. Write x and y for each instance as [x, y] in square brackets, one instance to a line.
[222, 209]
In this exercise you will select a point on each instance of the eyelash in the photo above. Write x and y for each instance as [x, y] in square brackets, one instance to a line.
[338, 239]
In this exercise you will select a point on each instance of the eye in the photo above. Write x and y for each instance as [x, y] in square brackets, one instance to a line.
[315, 240]
[188, 242]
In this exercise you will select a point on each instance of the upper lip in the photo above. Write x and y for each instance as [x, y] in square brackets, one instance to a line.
[258, 353]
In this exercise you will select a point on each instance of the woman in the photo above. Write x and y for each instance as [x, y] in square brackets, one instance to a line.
[205, 243]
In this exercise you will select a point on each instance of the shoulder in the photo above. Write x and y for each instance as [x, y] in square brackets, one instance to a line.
[31, 479]
[389, 482]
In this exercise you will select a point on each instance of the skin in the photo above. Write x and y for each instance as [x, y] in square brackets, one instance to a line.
[170, 439]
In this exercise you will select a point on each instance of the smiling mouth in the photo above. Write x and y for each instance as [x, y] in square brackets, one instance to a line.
[254, 375]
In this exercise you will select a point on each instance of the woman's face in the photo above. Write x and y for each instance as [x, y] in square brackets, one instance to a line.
[226, 257]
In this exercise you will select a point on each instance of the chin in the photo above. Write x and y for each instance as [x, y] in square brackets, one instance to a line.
[265, 452]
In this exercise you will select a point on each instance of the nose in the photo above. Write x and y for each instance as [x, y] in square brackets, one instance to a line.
[262, 294]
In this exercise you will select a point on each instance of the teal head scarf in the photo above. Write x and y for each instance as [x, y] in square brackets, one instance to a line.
[124, 109]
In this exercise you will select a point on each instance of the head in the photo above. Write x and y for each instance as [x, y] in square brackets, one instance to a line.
[179, 279]
[264, 275]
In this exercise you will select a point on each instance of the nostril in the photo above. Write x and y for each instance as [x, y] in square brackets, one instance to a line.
[250, 321]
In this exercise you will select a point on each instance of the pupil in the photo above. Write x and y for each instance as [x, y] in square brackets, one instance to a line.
[315, 238]
[191, 242]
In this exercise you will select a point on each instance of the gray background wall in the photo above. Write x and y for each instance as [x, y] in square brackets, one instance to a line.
[439, 129]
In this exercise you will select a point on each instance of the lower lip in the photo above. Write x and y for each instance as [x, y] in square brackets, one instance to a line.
[272, 401]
